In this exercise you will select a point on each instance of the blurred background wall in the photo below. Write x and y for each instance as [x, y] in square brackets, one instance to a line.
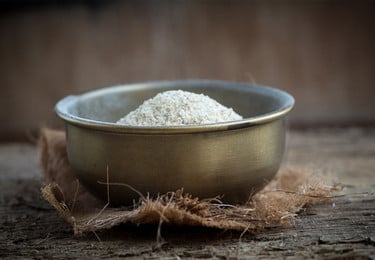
[322, 52]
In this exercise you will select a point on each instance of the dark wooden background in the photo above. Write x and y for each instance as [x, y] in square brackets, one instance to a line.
[322, 52]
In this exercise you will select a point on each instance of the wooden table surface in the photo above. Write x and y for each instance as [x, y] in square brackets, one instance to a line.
[344, 227]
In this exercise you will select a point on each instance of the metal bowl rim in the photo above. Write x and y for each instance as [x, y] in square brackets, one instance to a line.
[63, 105]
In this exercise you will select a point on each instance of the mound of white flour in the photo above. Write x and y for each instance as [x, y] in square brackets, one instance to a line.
[176, 108]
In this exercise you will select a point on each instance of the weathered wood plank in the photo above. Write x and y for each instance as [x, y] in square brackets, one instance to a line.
[322, 52]
[345, 227]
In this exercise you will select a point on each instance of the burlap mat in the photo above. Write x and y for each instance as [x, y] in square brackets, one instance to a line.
[276, 204]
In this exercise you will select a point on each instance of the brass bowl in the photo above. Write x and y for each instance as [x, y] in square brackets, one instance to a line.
[233, 159]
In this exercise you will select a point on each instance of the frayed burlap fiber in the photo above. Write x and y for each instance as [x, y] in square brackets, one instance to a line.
[277, 204]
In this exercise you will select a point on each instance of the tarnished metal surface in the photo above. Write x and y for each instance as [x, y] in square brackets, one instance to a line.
[232, 159]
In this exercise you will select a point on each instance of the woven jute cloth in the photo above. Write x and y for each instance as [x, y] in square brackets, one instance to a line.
[277, 204]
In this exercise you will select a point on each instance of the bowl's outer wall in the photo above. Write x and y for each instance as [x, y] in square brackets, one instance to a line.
[233, 159]
[233, 163]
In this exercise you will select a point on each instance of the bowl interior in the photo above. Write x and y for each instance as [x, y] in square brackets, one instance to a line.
[110, 104]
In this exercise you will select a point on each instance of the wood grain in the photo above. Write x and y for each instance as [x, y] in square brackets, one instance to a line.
[345, 227]
[322, 52]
